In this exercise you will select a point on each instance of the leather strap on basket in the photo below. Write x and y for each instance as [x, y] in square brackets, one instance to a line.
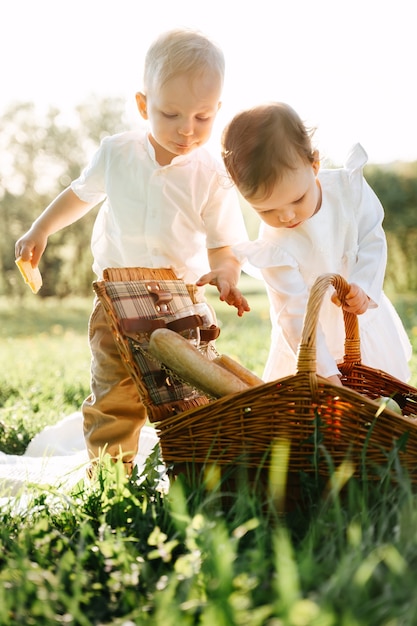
[135, 326]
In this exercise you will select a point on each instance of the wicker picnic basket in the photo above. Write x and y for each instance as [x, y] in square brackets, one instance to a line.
[136, 301]
[304, 412]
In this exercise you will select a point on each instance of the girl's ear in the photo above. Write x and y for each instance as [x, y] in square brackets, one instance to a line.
[141, 104]
[316, 162]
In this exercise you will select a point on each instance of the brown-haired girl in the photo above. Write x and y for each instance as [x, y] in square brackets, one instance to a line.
[314, 221]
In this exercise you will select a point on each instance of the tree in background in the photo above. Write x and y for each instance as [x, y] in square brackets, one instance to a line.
[396, 186]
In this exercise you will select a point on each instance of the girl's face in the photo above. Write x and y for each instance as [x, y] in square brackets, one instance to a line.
[295, 198]
[181, 114]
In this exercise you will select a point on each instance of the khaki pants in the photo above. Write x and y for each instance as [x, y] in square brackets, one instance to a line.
[113, 412]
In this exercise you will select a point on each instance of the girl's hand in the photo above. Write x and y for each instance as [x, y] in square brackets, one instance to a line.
[225, 274]
[357, 301]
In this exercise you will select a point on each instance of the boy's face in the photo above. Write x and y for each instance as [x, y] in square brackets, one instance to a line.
[181, 114]
[294, 199]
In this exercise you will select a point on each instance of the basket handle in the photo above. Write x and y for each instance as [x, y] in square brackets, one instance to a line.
[306, 360]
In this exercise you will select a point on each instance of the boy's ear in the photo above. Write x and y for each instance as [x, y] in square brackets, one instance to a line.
[141, 104]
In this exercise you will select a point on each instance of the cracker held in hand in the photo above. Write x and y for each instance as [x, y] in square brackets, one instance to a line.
[31, 274]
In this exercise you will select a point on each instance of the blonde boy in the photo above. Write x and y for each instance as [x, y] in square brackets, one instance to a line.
[165, 205]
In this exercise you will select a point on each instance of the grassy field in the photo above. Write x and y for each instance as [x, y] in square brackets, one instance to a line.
[120, 552]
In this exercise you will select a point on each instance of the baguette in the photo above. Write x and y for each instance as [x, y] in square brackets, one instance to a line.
[185, 360]
[238, 370]
[31, 275]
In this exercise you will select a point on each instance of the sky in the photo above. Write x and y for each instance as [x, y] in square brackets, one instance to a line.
[347, 66]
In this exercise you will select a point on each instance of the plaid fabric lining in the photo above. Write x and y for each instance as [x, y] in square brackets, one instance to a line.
[133, 299]
[162, 387]
[139, 299]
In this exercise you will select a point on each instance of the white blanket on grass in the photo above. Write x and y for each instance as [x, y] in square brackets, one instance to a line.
[57, 457]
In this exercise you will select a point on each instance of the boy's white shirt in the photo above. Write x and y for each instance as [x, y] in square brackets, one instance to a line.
[158, 216]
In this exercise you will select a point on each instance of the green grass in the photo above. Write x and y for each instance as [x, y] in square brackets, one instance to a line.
[118, 551]
[44, 365]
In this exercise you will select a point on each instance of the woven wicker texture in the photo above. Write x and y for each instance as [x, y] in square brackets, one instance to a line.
[301, 411]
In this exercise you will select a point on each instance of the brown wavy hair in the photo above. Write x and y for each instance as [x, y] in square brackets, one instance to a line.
[261, 143]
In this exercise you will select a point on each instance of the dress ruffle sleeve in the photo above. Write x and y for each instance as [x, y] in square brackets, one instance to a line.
[356, 159]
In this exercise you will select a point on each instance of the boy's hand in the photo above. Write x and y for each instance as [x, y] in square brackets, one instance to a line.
[31, 246]
[228, 292]
[234, 297]
[357, 301]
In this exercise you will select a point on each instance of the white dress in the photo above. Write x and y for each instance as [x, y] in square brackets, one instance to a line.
[345, 237]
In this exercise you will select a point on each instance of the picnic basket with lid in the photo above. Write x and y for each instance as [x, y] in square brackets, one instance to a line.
[304, 411]
[138, 300]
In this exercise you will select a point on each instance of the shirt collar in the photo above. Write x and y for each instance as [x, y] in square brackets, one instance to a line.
[182, 158]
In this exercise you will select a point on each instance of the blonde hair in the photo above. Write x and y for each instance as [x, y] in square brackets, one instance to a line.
[261, 143]
[177, 52]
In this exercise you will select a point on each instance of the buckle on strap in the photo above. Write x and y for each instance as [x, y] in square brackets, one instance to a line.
[162, 298]
[209, 333]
